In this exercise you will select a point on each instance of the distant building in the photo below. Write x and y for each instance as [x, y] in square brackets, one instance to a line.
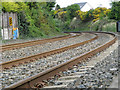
[84, 6]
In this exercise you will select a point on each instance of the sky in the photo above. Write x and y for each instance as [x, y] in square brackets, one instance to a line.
[93, 3]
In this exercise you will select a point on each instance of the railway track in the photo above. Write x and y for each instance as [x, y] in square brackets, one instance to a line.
[83, 75]
[17, 62]
[41, 48]
[36, 81]
[88, 74]
[31, 43]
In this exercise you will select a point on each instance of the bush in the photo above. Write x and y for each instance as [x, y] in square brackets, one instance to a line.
[85, 16]
[23, 25]
[94, 15]
[57, 29]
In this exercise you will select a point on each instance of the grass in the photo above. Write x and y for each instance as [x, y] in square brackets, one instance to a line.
[104, 24]
[51, 34]
[82, 26]
[110, 27]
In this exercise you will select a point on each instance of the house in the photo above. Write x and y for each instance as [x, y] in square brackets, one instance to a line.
[84, 6]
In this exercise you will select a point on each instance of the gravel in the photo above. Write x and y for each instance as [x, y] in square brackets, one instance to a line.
[99, 76]
[15, 74]
[32, 50]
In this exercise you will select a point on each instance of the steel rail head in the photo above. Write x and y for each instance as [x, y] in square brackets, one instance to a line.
[31, 43]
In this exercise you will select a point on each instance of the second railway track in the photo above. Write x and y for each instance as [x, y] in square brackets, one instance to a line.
[31, 43]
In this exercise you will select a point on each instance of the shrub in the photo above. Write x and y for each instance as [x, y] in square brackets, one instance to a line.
[85, 16]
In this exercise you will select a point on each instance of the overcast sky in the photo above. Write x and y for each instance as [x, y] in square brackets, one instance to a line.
[93, 3]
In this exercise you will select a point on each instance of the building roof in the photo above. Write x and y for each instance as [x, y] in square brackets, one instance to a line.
[81, 4]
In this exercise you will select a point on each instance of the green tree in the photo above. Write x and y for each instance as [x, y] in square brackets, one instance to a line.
[13, 6]
[10, 6]
[71, 10]
[50, 5]
[115, 11]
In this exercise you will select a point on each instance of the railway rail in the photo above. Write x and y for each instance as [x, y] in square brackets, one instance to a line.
[31, 43]
[36, 81]
[89, 74]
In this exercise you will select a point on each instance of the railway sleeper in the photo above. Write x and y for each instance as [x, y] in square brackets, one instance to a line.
[62, 82]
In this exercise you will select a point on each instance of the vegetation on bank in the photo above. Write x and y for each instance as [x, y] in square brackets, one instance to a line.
[34, 19]
[94, 19]
[37, 19]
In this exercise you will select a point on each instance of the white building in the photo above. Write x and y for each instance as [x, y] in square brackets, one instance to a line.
[84, 6]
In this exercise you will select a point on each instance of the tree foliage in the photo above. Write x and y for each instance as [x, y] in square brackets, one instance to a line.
[50, 5]
[71, 10]
[115, 11]
[68, 13]
[93, 14]
[13, 6]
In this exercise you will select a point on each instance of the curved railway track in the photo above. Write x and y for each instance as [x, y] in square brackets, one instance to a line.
[17, 62]
[41, 48]
[31, 43]
[36, 81]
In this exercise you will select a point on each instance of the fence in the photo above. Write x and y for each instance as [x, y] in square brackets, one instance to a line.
[8, 21]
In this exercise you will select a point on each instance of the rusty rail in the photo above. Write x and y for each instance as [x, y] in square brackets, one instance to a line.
[37, 79]
[17, 62]
[31, 43]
